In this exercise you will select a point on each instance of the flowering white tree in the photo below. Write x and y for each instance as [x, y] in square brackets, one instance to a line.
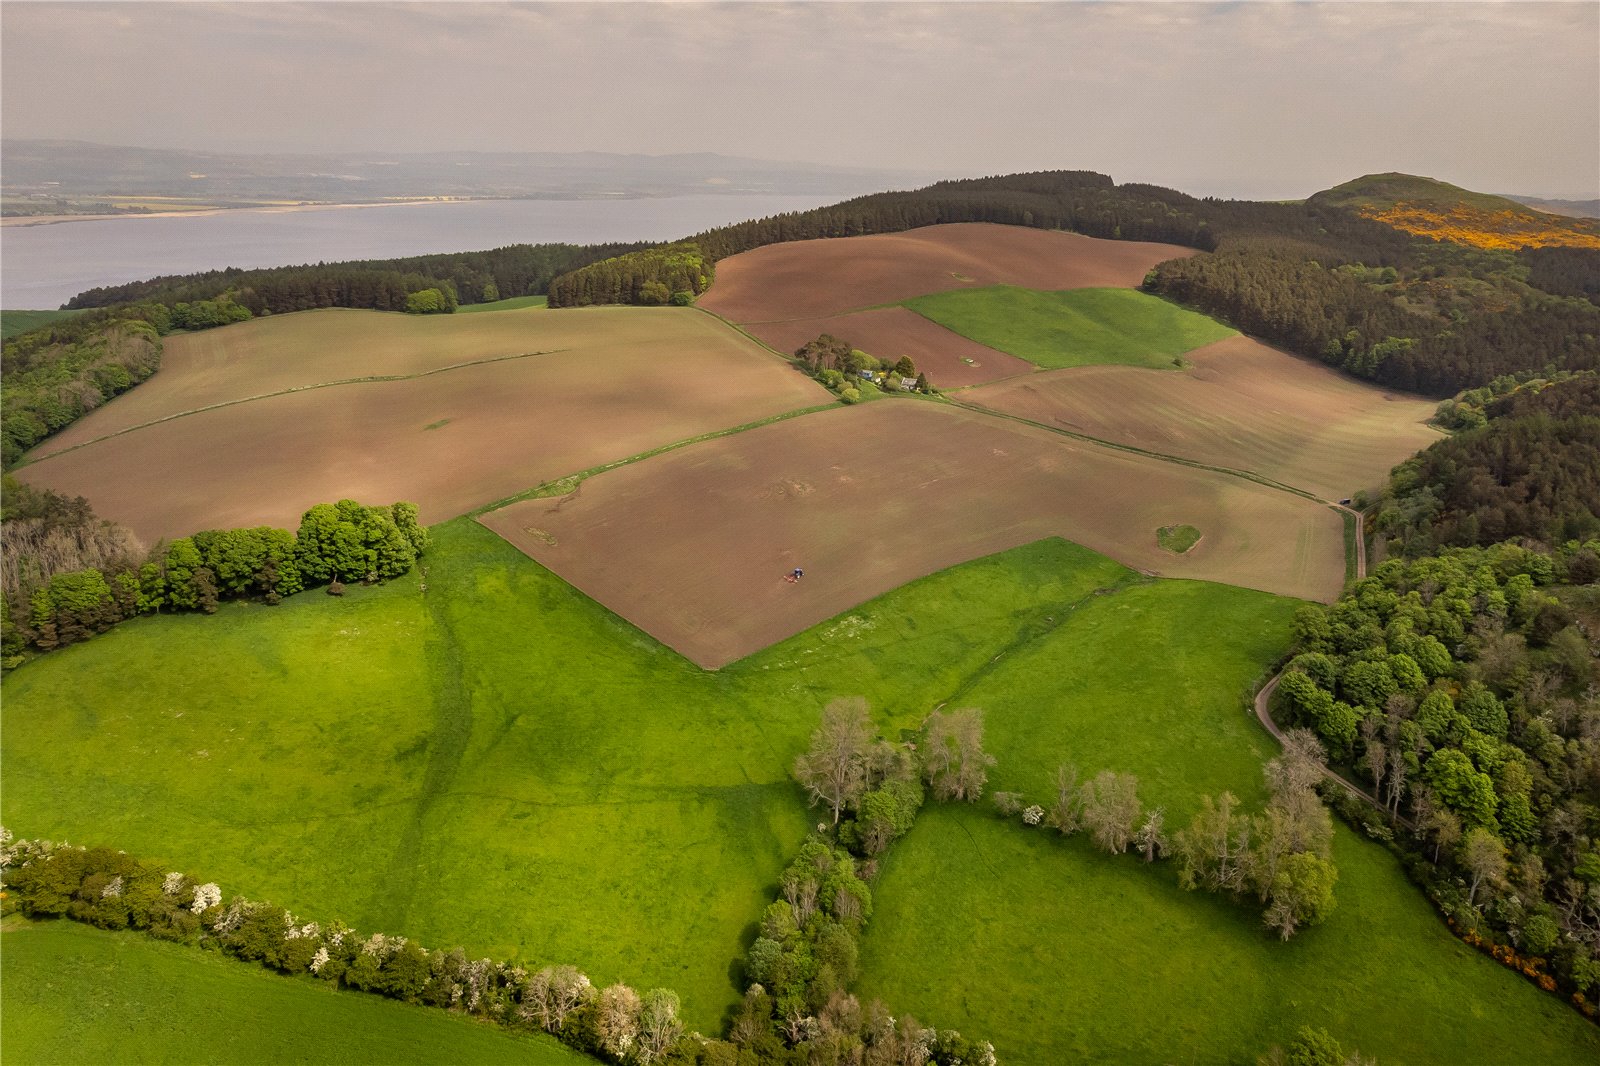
[206, 896]
[618, 1020]
[172, 884]
[319, 960]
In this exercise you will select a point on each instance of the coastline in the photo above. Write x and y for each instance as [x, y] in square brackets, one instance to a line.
[260, 209]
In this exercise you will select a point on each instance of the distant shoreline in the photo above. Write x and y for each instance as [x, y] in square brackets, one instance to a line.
[263, 209]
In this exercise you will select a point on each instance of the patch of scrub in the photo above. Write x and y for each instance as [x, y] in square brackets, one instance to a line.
[1177, 539]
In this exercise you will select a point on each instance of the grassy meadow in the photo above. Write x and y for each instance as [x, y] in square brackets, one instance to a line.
[500, 763]
[1060, 953]
[15, 322]
[1079, 327]
[73, 994]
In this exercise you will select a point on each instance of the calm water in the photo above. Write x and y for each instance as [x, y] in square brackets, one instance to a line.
[44, 266]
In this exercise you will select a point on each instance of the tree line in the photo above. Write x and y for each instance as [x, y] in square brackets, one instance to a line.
[114, 890]
[1526, 463]
[46, 605]
[378, 284]
[673, 273]
[1463, 689]
[51, 383]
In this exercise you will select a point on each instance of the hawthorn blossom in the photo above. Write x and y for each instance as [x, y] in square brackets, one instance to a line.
[113, 888]
[206, 896]
[172, 884]
[1033, 815]
[319, 960]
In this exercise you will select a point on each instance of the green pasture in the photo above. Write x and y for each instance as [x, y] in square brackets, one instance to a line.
[15, 322]
[1060, 953]
[509, 304]
[1079, 327]
[73, 994]
[500, 763]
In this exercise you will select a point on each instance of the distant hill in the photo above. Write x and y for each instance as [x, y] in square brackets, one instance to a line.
[1431, 208]
[1570, 208]
[36, 169]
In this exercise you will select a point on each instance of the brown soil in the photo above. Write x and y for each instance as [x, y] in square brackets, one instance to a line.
[1241, 404]
[693, 546]
[282, 352]
[890, 332]
[816, 279]
[628, 384]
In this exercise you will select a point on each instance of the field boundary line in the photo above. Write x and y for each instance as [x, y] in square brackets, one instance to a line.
[567, 485]
[372, 379]
[1247, 475]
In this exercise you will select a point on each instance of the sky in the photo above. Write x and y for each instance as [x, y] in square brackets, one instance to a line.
[1258, 100]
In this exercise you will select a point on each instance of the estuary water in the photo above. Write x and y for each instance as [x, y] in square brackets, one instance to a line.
[43, 266]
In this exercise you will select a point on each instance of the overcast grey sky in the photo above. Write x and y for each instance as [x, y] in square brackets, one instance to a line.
[1242, 99]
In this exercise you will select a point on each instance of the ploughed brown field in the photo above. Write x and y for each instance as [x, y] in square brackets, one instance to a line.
[950, 360]
[285, 352]
[821, 278]
[617, 382]
[1241, 404]
[692, 546]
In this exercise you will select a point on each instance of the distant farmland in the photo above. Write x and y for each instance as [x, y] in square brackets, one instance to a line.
[692, 546]
[787, 294]
[808, 279]
[1080, 327]
[610, 383]
[1239, 404]
[950, 360]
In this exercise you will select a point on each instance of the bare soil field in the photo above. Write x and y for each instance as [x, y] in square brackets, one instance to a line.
[624, 381]
[815, 279]
[693, 546]
[273, 355]
[1240, 404]
[890, 332]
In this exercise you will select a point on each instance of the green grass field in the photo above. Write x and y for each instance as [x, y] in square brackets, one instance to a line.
[15, 322]
[1059, 953]
[509, 304]
[1079, 327]
[73, 994]
[502, 764]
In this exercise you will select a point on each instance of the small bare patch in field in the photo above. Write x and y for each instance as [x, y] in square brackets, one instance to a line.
[693, 546]
[619, 381]
[1239, 404]
[816, 279]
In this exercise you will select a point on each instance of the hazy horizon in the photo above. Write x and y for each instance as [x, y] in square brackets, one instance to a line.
[1244, 99]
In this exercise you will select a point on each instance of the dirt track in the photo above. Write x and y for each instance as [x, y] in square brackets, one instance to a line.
[692, 546]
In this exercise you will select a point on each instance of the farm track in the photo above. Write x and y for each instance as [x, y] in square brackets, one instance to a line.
[371, 379]
[1264, 715]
